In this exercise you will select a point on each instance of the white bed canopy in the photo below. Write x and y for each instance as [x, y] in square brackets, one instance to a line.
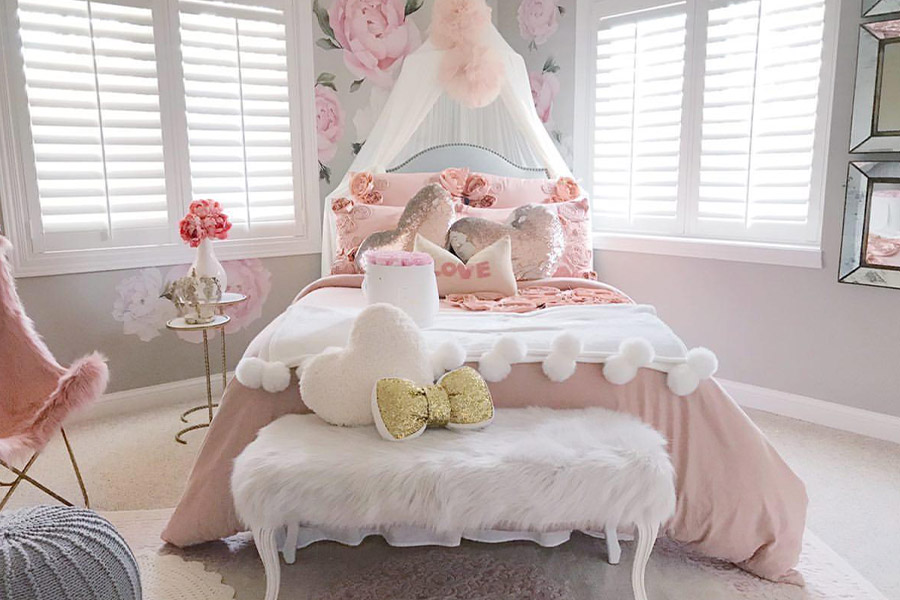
[420, 114]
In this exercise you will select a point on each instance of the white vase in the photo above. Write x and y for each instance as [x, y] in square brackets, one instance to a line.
[207, 265]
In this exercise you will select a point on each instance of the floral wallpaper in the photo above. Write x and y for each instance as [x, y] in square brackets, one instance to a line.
[361, 44]
[361, 47]
[143, 313]
[543, 32]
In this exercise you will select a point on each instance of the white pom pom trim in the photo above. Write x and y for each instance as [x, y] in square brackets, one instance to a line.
[682, 380]
[700, 364]
[494, 367]
[703, 362]
[510, 348]
[558, 367]
[561, 363]
[249, 372]
[567, 344]
[638, 351]
[449, 355]
[276, 377]
[618, 370]
[634, 353]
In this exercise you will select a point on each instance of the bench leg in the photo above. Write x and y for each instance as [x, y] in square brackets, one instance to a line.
[646, 537]
[289, 550]
[268, 552]
[613, 549]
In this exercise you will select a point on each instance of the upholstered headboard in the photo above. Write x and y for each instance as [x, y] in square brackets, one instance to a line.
[469, 156]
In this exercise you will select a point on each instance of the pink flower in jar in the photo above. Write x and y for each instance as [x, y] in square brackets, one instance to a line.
[329, 122]
[454, 181]
[200, 208]
[544, 88]
[220, 228]
[191, 230]
[538, 20]
[376, 36]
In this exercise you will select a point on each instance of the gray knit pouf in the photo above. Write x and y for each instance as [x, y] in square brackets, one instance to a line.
[61, 553]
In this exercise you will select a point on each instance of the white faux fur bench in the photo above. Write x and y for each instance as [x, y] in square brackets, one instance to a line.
[534, 473]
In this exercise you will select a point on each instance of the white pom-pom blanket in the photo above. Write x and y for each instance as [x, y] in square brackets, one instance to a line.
[625, 337]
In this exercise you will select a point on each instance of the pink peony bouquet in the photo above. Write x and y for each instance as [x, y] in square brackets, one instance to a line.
[204, 219]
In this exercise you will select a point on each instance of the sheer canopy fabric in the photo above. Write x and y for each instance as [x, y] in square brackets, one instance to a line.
[419, 114]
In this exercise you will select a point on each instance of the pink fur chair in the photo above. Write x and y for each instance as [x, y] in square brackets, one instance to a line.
[36, 393]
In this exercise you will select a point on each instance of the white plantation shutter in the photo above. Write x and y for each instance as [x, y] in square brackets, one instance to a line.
[238, 113]
[638, 116]
[120, 113]
[93, 101]
[707, 117]
[760, 103]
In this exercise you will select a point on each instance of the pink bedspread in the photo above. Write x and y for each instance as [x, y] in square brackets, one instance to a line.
[737, 499]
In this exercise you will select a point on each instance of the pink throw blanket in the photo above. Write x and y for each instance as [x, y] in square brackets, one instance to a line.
[737, 499]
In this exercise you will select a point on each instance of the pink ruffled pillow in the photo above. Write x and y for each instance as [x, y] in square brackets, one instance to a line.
[574, 215]
[355, 222]
[469, 188]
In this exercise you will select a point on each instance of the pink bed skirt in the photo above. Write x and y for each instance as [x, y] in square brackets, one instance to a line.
[737, 499]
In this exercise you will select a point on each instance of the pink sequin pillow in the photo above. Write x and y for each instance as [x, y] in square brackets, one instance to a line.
[574, 215]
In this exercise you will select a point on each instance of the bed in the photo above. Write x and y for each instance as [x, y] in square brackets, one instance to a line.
[737, 500]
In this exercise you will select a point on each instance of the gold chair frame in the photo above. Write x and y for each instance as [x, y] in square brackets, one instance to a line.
[22, 475]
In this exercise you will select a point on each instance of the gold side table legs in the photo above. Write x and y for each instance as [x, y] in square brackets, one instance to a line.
[210, 405]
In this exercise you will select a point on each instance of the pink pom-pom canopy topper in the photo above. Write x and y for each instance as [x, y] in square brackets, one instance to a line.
[398, 258]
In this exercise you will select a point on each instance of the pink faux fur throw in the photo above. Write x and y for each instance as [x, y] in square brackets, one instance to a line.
[36, 393]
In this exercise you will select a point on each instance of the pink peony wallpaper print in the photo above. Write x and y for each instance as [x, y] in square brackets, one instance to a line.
[361, 44]
[142, 312]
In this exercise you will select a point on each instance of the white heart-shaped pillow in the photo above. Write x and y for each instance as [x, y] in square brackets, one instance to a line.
[384, 342]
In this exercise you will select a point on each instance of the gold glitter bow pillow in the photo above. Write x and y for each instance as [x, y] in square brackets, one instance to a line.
[459, 400]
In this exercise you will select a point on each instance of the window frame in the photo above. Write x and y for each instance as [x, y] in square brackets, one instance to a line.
[19, 201]
[688, 241]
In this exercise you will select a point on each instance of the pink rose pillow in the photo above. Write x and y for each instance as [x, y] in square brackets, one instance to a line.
[355, 222]
[467, 188]
[574, 215]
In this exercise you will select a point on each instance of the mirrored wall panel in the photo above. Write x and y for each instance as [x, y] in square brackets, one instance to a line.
[870, 249]
[876, 101]
[874, 8]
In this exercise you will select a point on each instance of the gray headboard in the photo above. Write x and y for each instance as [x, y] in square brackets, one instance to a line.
[469, 156]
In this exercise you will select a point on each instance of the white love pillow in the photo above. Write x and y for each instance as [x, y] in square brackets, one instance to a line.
[489, 270]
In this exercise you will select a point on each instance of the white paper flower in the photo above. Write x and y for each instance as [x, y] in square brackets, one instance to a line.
[139, 307]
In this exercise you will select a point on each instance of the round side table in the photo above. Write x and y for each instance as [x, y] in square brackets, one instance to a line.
[219, 322]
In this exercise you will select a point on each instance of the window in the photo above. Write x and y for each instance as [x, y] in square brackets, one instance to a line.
[124, 111]
[708, 118]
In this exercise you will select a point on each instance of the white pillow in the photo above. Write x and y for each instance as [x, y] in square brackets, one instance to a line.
[489, 270]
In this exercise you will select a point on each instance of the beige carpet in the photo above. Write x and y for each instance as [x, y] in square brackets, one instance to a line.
[574, 571]
[853, 482]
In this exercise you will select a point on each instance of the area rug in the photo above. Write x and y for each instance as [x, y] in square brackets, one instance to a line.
[169, 577]
[576, 570]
